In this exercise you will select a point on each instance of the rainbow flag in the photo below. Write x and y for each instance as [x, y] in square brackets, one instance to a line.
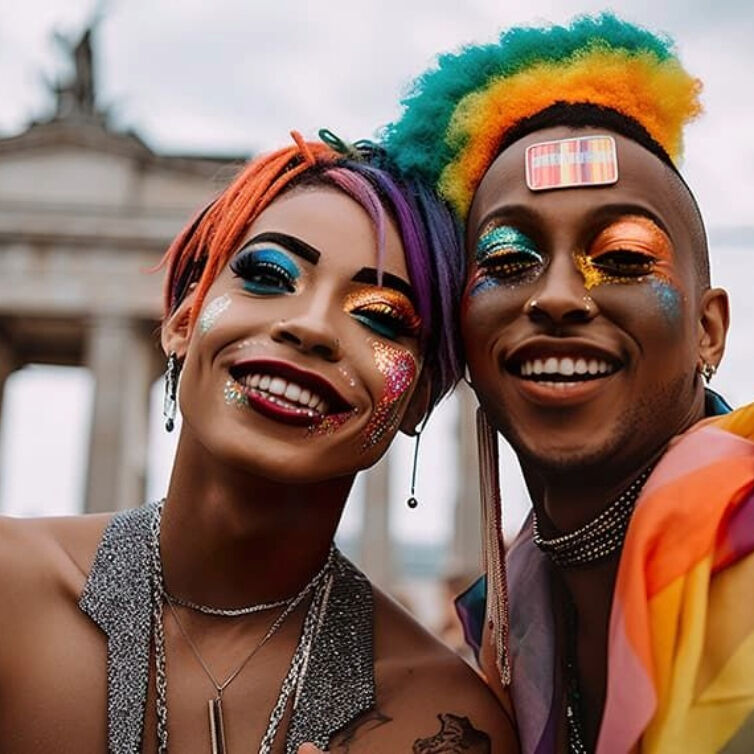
[681, 644]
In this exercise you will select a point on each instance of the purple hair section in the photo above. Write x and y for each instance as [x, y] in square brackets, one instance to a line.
[434, 257]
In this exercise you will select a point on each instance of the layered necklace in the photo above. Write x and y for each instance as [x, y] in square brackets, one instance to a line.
[318, 587]
[591, 543]
[600, 537]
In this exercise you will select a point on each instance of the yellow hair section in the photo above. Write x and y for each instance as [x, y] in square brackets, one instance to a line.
[658, 94]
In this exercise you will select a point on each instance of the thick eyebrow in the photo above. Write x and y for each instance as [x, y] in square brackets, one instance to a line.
[370, 276]
[291, 243]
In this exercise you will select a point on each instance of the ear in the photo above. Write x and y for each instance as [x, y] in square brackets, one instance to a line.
[714, 318]
[175, 333]
[418, 405]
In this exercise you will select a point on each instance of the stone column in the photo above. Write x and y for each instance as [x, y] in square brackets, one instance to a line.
[376, 553]
[466, 558]
[8, 364]
[120, 355]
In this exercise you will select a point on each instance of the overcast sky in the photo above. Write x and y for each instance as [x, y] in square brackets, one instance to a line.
[234, 77]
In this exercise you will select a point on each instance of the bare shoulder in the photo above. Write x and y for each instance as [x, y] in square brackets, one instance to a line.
[429, 701]
[44, 556]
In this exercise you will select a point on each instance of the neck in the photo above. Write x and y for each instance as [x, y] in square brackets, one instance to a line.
[231, 538]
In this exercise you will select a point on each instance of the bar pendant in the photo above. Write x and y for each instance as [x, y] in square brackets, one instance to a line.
[216, 728]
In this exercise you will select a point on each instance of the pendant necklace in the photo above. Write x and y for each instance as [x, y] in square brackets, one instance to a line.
[319, 585]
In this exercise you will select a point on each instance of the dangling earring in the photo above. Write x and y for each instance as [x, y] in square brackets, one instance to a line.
[707, 371]
[171, 389]
[493, 546]
[412, 502]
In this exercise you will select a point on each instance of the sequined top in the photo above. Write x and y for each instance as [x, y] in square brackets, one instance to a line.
[339, 684]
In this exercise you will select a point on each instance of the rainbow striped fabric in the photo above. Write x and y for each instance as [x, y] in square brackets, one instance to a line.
[681, 642]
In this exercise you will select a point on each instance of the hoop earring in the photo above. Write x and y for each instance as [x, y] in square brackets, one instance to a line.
[169, 401]
[707, 371]
[412, 502]
[493, 545]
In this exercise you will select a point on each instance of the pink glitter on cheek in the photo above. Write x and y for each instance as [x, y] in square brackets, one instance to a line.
[331, 424]
[399, 369]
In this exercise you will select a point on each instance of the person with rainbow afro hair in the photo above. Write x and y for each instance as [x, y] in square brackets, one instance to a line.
[621, 617]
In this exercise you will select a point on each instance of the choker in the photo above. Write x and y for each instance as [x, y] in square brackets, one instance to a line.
[600, 537]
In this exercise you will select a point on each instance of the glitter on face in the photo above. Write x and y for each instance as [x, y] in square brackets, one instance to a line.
[383, 308]
[212, 312]
[399, 369]
[504, 256]
[627, 251]
[234, 395]
[331, 423]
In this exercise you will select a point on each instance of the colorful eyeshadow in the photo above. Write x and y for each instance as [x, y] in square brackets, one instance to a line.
[385, 305]
[567, 163]
[276, 257]
[627, 251]
[503, 255]
[399, 369]
[212, 312]
[234, 396]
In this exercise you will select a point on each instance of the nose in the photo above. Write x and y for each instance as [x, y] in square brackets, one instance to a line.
[562, 297]
[309, 332]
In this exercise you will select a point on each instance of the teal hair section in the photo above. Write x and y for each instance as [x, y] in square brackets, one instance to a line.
[417, 141]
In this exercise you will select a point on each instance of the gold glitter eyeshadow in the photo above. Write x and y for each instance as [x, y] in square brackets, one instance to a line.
[387, 303]
[633, 234]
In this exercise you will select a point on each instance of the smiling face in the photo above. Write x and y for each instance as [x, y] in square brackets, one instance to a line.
[300, 367]
[582, 311]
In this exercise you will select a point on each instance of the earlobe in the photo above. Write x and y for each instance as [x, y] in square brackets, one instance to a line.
[714, 318]
[176, 331]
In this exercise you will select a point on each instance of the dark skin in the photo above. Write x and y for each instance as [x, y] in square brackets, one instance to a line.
[250, 513]
[651, 321]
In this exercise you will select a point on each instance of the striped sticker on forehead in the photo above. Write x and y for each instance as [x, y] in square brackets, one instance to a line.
[581, 161]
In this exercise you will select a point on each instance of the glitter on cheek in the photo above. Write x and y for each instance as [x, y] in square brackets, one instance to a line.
[398, 366]
[234, 395]
[212, 312]
[669, 298]
[331, 424]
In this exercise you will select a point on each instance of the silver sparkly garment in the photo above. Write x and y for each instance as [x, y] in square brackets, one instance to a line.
[339, 684]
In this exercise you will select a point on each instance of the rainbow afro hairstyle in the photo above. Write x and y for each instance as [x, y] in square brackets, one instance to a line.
[457, 115]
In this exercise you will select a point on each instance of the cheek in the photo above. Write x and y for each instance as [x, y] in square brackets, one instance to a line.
[669, 300]
[212, 312]
[398, 369]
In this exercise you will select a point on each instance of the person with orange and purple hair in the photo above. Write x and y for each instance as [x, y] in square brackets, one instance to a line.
[305, 313]
[622, 616]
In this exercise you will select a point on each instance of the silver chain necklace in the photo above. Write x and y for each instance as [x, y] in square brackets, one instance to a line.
[320, 584]
[226, 612]
[598, 538]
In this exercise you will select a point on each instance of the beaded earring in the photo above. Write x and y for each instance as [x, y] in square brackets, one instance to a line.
[169, 402]
[493, 546]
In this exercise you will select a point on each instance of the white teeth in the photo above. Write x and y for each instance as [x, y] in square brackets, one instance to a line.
[277, 386]
[292, 392]
[566, 367]
[289, 391]
[551, 366]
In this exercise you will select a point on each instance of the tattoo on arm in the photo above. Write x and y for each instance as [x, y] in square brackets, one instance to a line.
[457, 736]
[367, 722]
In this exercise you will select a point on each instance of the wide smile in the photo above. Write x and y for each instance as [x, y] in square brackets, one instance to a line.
[553, 372]
[287, 394]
